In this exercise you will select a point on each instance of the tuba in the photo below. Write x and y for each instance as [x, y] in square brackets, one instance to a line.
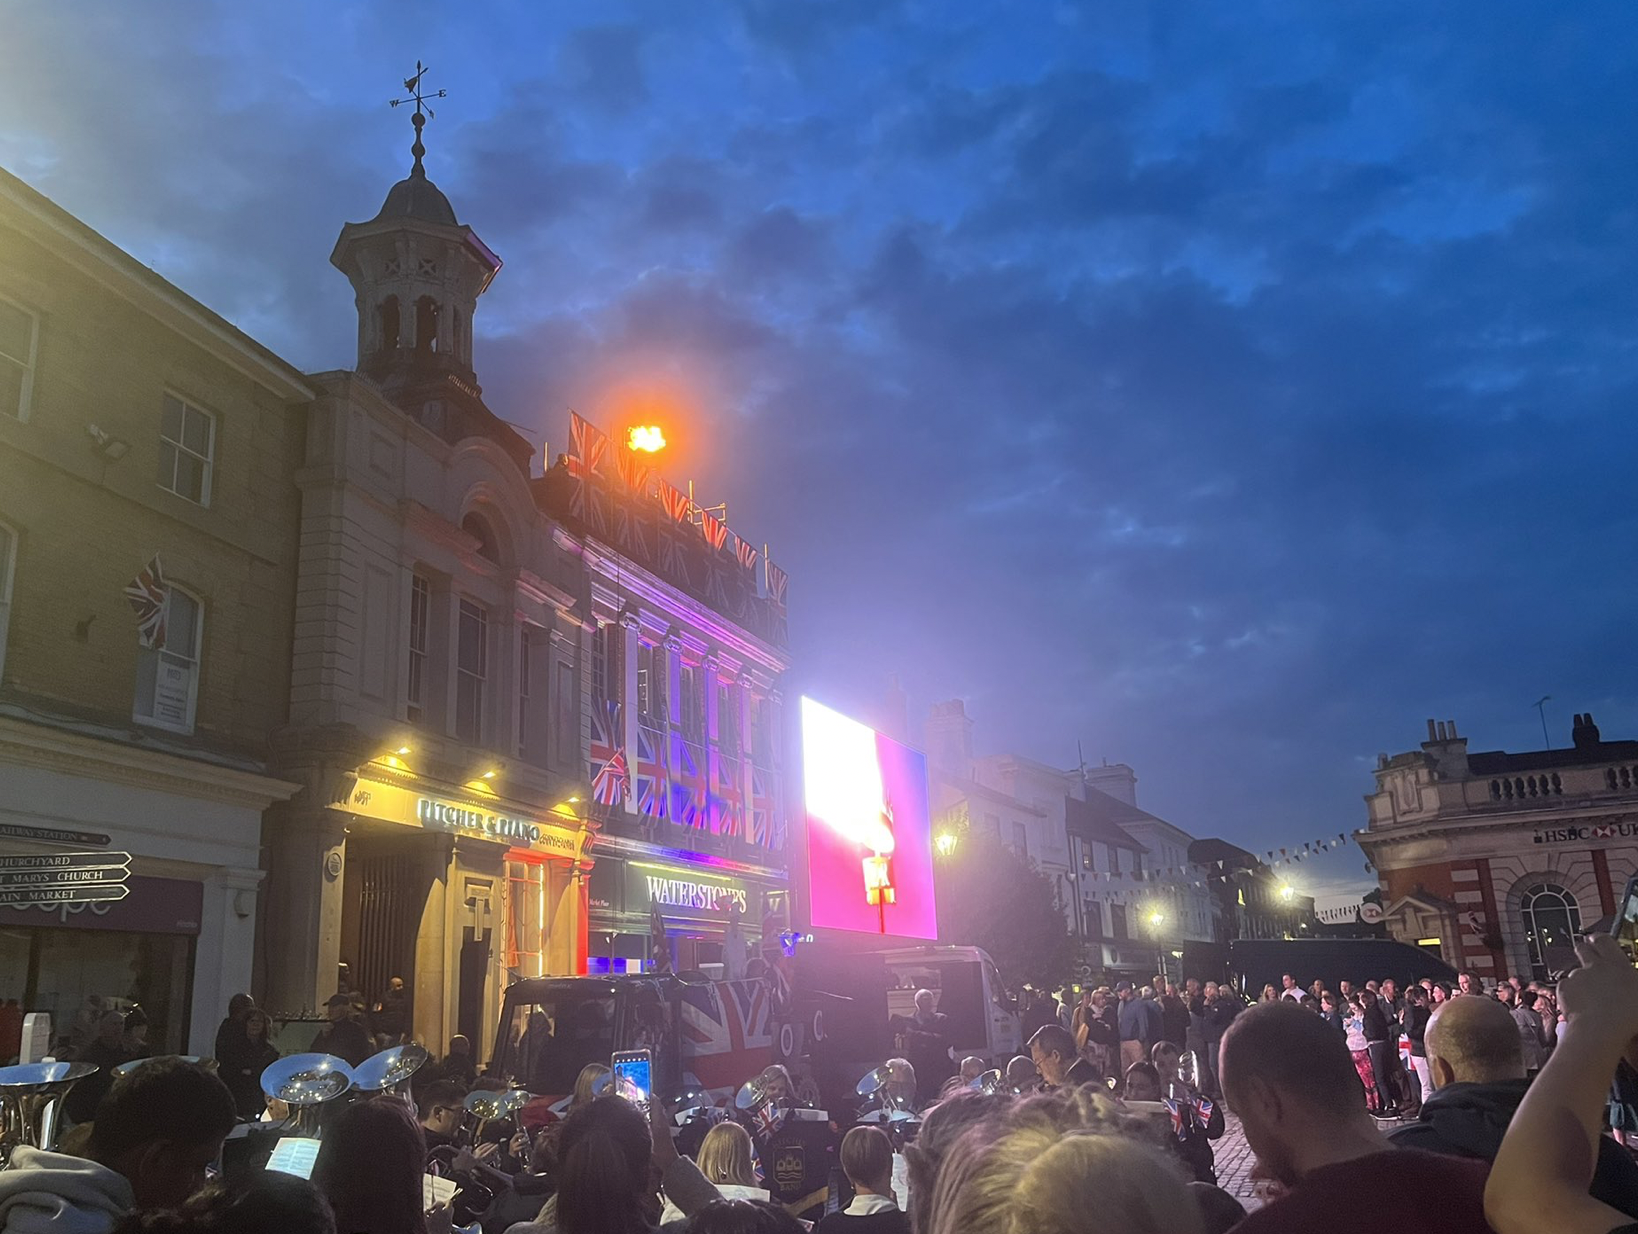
[209, 1064]
[305, 1082]
[388, 1072]
[30, 1096]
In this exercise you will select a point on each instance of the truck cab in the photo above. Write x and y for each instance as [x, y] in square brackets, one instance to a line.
[983, 1021]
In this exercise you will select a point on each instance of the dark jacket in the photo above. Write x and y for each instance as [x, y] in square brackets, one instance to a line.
[1469, 1120]
[346, 1039]
[1220, 1014]
[1376, 1021]
[1174, 1020]
[1082, 1072]
[1415, 1021]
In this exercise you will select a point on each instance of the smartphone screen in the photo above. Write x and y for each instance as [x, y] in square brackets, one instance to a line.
[1625, 924]
[634, 1068]
[294, 1155]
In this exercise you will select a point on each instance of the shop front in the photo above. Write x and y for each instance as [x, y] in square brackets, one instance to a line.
[711, 910]
[181, 941]
[457, 892]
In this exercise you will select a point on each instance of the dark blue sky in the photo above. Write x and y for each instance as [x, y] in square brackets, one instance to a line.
[1230, 387]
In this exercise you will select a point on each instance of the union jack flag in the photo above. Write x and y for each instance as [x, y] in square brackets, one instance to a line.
[762, 807]
[746, 553]
[716, 531]
[149, 595]
[586, 441]
[631, 471]
[688, 804]
[631, 530]
[778, 584]
[651, 777]
[1203, 1107]
[727, 1032]
[727, 798]
[612, 783]
[607, 738]
[676, 503]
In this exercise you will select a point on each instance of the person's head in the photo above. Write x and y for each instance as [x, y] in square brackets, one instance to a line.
[1290, 1078]
[160, 1125]
[339, 1007]
[1269, 993]
[1516, 983]
[1345, 988]
[1022, 1073]
[1528, 999]
[1389, 989]
[603, 1185]
[585, 1082]
[1427, 984]
[1464, 982]
[238, 1005]
[1506, 995]
[1191, 986]
[1328, 1001]
[459, 1046]
[1440, 992]
[1123, 991]
[926, 1002]
[1473, 1041]
[1309, 1003]
[1288, 982]
[395, 984]
[1212, 989]
[1053, 1165]
[441, 1107]
[1367, 996]
[369, 1166]
[971, 1068]
[110, 1027]
[1317, 988]
[1416, 996]
[257, 1024]
[725, 1155]
[1099, 999]
[742, 1217]
[1053, 1051]
[901, 1080]
[268, 1202]
[867, 1160]
[1371, 987]
[1142, 1083]
[1166, 1057]
[941, 1127]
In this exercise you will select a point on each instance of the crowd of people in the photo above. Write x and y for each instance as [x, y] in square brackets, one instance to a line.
[1106, 1126]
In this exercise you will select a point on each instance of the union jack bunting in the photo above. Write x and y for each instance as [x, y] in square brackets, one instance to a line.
[587, 441]
[148, 594]
[651, 778]
[746, 553]
[672, 563]
[607, 744]
[613, 782]
[675, 501]
[778, 583]
[716, 531]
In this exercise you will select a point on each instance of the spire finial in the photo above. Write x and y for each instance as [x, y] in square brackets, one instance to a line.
[419, 98]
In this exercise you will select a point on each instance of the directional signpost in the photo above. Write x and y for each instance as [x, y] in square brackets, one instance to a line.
[64, 878]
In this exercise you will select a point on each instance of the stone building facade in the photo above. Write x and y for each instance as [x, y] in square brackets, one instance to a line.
[1493, 859]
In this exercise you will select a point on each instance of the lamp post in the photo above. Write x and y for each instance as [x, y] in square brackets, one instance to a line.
[1157, 918]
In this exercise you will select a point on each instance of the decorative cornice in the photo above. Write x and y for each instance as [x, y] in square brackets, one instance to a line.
[624, 846]
[68, 753]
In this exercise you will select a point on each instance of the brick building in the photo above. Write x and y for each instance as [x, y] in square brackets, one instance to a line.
[1494, 860]
[136, 423]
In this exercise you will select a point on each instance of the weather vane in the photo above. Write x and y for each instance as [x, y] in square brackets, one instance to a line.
[419, 98]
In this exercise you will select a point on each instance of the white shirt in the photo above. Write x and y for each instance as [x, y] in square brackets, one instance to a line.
[868, 1205]
[1294, 994]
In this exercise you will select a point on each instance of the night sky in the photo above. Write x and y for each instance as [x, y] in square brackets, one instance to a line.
[1227, 387]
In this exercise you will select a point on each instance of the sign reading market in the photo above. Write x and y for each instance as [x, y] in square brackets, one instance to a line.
[392, 803]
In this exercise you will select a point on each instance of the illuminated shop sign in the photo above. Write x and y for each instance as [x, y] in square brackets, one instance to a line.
[393, 803]
[443, 816]
[683, 893]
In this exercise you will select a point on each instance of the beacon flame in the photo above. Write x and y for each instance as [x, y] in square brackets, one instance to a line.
[647, 438]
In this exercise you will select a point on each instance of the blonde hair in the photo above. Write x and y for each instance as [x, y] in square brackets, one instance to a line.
[725, 1155]
[1060, 1165]
[589, 1075]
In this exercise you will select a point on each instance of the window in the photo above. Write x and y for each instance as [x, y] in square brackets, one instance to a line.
[651, 683]
[420, 611]
[728, 720]
[1020, 839]
[600, 663]
[167, 685]
[426, 325]
[471, 672]
[389, 323]
[187, 440]
[8, 568]
[1552, 921]
[524, 649]
[567, 717]
[478, 528]
[19, 335]
[1093, 917]
[1117, 921]
[690, 702]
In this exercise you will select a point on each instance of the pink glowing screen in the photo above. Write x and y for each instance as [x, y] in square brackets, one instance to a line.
[868, 826]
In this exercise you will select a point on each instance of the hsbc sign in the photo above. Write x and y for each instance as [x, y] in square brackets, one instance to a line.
[1594, 831]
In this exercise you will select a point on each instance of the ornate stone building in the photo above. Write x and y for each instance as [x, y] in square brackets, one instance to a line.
[1494, 860]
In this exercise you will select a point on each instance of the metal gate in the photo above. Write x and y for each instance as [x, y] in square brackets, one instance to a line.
[390, 899]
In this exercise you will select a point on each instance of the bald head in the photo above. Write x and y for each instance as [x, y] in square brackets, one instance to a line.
[1473, 1041]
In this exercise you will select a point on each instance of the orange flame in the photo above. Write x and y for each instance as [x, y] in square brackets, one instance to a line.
[646, 437]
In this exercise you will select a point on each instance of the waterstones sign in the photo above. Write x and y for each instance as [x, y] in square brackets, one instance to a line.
[1576, 835]
[685, 893]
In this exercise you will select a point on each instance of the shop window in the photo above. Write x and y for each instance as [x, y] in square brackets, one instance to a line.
[187, 446]
[419, 625]
[526, 923]
[8, 573]
[471, 672]
[1552, 921]
[167, 685]
[19, 338]
[1117, 922]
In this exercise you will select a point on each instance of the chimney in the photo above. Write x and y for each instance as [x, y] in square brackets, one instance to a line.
[950, 736]
[1585, 734]
[1118, 781]
[1433, 730]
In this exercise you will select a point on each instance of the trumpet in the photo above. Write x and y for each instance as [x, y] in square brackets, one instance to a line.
[388, 1072]
[305, 1082]
[30, 1097]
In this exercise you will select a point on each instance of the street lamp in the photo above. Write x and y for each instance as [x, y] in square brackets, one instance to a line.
[945, 843]
[1157, 918]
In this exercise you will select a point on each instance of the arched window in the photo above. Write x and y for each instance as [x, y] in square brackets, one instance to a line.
[387, 315]
[458, 347]
[167, 685]
[426, 324]
[1552, 921]
[479, 530]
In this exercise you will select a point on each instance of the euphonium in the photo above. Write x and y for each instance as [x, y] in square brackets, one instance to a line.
[388, 1072]
[305, 1082]
[484, 1106]
[30, 1096]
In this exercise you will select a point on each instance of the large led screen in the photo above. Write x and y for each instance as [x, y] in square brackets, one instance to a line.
[870, 844]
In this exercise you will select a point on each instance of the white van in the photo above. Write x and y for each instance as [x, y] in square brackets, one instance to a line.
[969, 990]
